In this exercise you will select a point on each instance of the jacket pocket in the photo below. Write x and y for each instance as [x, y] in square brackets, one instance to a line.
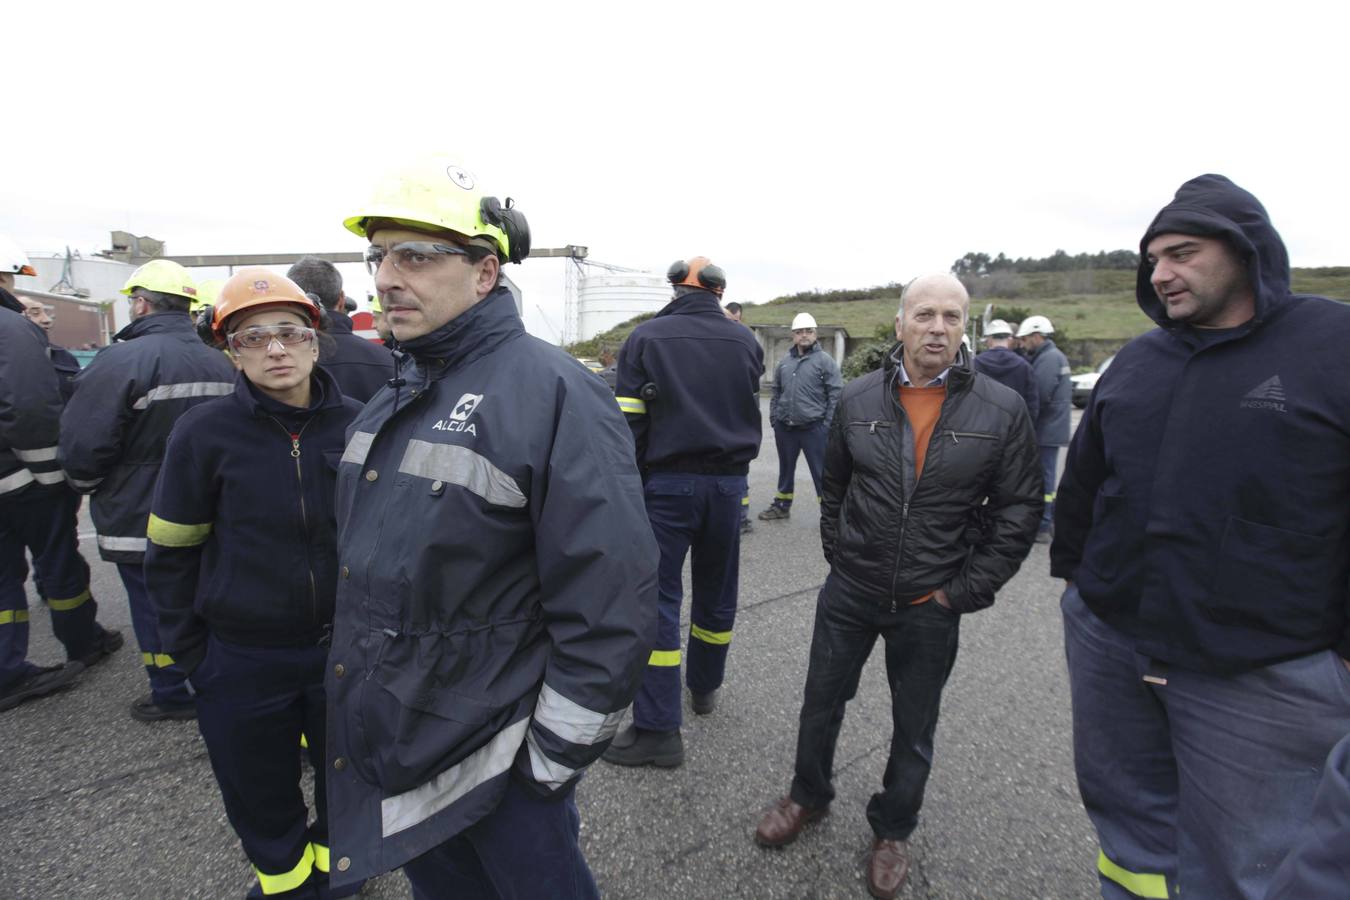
[964, 459]
[1273, 580]
[419, 710]
[1107, 540]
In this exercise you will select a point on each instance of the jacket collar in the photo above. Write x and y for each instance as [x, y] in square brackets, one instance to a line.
[692, 304]
[157, 323]
[338, 322]
[473, 334]
[959, 374]
[796, 351]
[324, 394]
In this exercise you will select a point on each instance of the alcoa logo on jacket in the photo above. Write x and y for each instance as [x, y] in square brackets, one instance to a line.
[459, 416]
[1269, 394]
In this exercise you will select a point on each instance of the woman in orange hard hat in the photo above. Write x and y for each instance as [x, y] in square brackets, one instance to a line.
[242, 566]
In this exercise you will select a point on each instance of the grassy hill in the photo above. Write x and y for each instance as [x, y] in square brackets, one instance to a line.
[1096, 308]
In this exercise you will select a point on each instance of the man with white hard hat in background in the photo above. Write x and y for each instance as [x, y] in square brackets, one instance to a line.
[806, 388]
[497, 585]
[1051, 369]
[1005, 365]
[113, 432]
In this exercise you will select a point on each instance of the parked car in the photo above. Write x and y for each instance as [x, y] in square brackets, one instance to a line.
[1083, 384]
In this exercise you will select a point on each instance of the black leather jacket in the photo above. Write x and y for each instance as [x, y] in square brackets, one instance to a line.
[965, 525]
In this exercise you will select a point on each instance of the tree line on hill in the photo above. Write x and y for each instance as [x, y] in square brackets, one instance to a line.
[976, 264]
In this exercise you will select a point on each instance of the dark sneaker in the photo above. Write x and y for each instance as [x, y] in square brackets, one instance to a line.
[635, 747]
[703, 704]
[776, 512]
[106, 644]
[39, 682]
[147, 710]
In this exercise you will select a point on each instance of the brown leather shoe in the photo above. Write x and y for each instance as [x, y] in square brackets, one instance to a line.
[785, 821]
[887, 868]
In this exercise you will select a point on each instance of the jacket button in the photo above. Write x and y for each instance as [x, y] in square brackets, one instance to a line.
[339, 670]
[345, 572]
[437, 485]
[372, 475]
[344, 864]
[340, 763]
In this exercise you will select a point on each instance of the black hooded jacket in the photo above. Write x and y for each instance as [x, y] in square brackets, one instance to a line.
[1205, 507]
[359, 366]
[896, 539]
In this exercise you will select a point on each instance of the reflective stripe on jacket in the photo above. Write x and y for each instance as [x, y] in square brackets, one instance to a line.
[30, 407]
[497, 598]
[114, 428]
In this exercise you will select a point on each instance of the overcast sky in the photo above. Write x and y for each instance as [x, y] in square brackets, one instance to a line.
[820, 145]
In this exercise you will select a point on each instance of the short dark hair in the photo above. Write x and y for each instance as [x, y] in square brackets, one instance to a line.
[733, 306]
[319, 277]
[161, 301]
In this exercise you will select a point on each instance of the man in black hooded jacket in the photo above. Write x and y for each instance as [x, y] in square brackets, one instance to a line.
[1203, 527]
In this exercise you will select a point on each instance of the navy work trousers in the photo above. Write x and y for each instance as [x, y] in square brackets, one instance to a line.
[166, 679]
[41, 519]
[1050, 473]
[1197, 787]
[697, 515]
[921, 642]
[525, 848]
[790, 441]
[253, 704]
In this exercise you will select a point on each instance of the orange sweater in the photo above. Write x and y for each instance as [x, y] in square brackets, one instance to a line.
[922, 406]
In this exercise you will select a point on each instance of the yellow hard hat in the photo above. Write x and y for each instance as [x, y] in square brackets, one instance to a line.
[436, 193]
[207, 292]
[164, 276]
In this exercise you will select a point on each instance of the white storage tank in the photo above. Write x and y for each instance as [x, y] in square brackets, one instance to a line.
[604, 301]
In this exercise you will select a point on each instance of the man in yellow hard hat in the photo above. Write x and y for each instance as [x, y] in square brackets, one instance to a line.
[497, 588]
[112, 442]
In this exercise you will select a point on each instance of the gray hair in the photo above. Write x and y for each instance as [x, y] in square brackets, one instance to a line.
[319, 277]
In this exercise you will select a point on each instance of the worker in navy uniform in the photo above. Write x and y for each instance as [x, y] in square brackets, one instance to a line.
[35, 515]
[242, 568]
[113, 431]
[687, 383]
[497, 584]
[359, 366]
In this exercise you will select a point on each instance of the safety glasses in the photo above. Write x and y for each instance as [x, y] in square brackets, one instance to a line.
[410, 257]
[259, 337]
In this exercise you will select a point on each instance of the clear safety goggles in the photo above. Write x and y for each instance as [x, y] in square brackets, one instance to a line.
[258, 337]
[411, 257]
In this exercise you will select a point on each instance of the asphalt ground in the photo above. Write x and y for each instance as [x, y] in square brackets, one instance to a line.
[95, 804]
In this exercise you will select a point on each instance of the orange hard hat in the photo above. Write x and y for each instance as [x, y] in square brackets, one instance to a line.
[698, 272]
[253, 287]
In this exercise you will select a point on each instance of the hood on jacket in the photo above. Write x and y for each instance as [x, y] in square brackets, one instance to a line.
[1212, 206]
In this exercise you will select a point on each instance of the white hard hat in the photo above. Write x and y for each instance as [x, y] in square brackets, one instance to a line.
[998, 328]
[1035, 325]
[12, 259]
[803, 320]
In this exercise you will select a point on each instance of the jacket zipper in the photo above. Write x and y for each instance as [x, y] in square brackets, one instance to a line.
[304, 517]
[904, 502]
[956, 435]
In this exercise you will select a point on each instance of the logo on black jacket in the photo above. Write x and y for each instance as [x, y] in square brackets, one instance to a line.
[1269, 394]
[459, 416]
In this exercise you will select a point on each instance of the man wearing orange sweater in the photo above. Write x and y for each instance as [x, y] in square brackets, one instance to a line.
[955, 451]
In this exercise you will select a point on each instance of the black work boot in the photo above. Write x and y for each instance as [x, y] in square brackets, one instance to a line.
[703, 704]
[106, 644]
[776, 512]
[40, 681]
[637, 747]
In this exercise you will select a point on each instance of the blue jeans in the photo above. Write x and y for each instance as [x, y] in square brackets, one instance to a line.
[526, 847]
[1050, 472]
[698, 516]
[809, 440]
[921, 644]
[1200, 785]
